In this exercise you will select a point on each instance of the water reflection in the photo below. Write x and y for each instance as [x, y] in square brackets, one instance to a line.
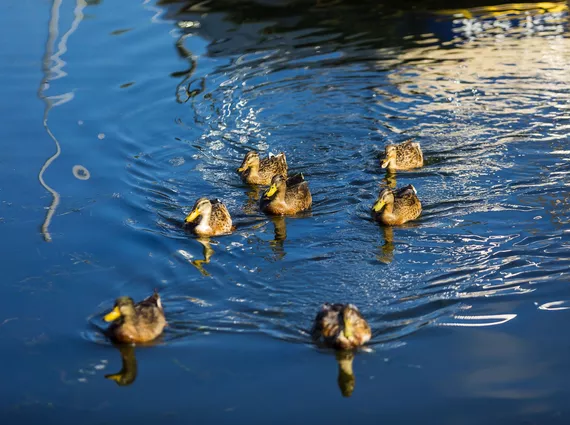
[386, 254]
[277, 244]
[186, 88]
[207, 253]
[346, 380]
[52, 68]
[251, 206]
[390, 180]
[128, 373]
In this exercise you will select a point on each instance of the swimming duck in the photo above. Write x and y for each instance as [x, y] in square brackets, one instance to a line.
[405, 156]
[394, 207]
[215, 218]
[256, 171]
[340, 326]
[286, 196]
[141, 322]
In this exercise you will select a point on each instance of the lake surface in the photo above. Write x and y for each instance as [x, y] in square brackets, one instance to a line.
[117, 116]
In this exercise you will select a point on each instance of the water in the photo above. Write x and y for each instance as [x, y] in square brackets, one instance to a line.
[148, 106]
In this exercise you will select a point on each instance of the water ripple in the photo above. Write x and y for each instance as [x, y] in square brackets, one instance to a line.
[494, 188]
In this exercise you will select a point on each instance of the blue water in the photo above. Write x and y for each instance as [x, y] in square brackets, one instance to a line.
[117, 116]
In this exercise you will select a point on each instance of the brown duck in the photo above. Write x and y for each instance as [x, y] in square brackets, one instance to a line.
[340, 326]
[404, 156]
[214, 218]
[286, 196]
[141, 322]
[254, 170]
[395, 207]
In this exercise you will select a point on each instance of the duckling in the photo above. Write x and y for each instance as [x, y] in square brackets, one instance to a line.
[256, 171]
[141, 322]
[286, 196]
[215, 218]
[340, 326]
[394, 207]
[405, 156]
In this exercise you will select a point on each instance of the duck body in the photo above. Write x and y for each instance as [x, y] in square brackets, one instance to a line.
[286, 196]
[136, 323]
[214, 219]
[254, 170]
[395, 207]
[340, 326]
[404, 156]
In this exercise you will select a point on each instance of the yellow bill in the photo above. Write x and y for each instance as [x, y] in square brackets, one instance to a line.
[379, 205]
[271, 191]
[385, 162]
[348, 330]
[117, 377]
[113, 315]
[192, 216]
[241, 169]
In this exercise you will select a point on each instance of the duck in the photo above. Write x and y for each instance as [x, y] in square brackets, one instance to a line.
[136, 323]
[286, 196]
[404, 156]
[215, 218]
[254, 170]
[340, 326]
[395, 207]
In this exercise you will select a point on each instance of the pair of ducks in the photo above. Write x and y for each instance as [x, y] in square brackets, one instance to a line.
[339, 326]
[336, 325]
[288, 196]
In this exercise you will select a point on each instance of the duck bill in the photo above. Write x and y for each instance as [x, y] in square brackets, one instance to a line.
[348, 330]
[378, 206]
[113, 315]
[192, 216]
[385, 162]
[244, 166]
[271, 191]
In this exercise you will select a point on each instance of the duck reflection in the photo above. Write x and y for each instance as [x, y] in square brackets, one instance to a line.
[252, 204]
[280, 234]
[390, 180]
[128, 373]
[207, 253]
[346, 380]
[386, 253]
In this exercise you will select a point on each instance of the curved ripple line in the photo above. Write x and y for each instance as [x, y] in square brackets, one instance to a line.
[501, 319]
[48, 71]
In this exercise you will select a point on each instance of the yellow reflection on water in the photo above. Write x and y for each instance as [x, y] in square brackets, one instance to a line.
[346, 380]
[511, 8]
[128, 373]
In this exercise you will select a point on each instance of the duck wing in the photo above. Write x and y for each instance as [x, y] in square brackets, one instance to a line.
[220, 216]
[295, 180]
[327, 321]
